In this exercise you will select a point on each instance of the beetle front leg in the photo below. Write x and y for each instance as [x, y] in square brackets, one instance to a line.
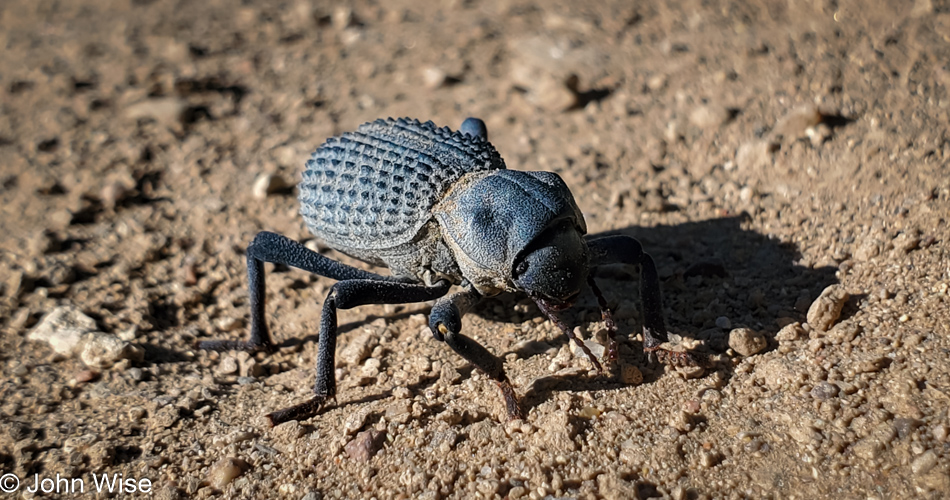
[445, 321]
[627, 250]
[346, 295]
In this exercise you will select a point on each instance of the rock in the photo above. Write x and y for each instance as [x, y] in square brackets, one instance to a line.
[804, 433]
[869, 248]
[873, 445]
[793, 125]
[552, 71]
[371, 367]
[746, 341]
[826, 309]
[342, 17]
[723, 322]
[268, 184]
[250, 368]
[84, 376]
[755, 155]
[433, 78]
[101, 350]
[226, 470]
[824, 391]
[365, 445]
[596, 349]
[227, 366]
[355, 421]
[113, 193]
[63, 328]
[165, 417]
[631, 375]
[924, 462]
[790, 332]
[359, 348]
[709, 116]
[165, 110]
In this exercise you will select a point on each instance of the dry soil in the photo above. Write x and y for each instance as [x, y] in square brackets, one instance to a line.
[762, 152]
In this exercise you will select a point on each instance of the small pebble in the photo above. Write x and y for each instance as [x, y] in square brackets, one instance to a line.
[746, 341]
[941, 432]
[826, 309]
[723, 322]
[790, 332]
[355, 421]
[228, 323]
[227, 366]
[796, 123]
[224, 471]
[589, 412]
[267, 184]
[631, 375]
[86, 376]
[101, 350]
[365, 445]
[63, 329]
[112, 194]
[596, 349]
[433, 78]
[358, 348]
[924, 462]
[824, 391]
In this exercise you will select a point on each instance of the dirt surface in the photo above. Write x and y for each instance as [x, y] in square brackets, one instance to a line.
[761, 152]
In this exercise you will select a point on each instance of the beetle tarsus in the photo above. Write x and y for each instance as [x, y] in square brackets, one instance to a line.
[612, 351]
[552, 315]
[511, 400]
[302, 411]
[445, 322]
[234, 345]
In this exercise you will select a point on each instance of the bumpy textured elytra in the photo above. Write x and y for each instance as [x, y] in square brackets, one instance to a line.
[439, 208]
[374, 187]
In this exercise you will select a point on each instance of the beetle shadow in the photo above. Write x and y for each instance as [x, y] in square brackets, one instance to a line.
[709, 269]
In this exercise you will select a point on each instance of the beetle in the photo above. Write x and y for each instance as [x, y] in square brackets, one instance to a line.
[439, 208]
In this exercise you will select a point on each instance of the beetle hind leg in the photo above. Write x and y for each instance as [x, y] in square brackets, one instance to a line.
[272, 247]
[445, 321]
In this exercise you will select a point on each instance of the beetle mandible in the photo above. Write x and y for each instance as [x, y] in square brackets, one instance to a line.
[439, 208]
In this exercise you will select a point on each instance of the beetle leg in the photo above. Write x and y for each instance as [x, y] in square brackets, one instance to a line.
[272, 247]
[553, 316]
[621, 249]
[346, 295]
[445, 321]
[612, 352]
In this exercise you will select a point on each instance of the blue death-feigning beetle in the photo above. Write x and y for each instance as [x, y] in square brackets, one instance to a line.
[439, 208]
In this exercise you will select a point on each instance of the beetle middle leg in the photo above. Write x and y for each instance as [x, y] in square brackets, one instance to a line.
[621, 249]
[346, 295]
[445, 321]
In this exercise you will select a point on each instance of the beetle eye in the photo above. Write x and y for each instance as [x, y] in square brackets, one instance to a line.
[521, 268]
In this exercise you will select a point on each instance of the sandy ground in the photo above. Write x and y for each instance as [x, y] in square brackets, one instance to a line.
[762, 153]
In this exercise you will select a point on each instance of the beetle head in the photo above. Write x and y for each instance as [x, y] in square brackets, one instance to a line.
[553, 268]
